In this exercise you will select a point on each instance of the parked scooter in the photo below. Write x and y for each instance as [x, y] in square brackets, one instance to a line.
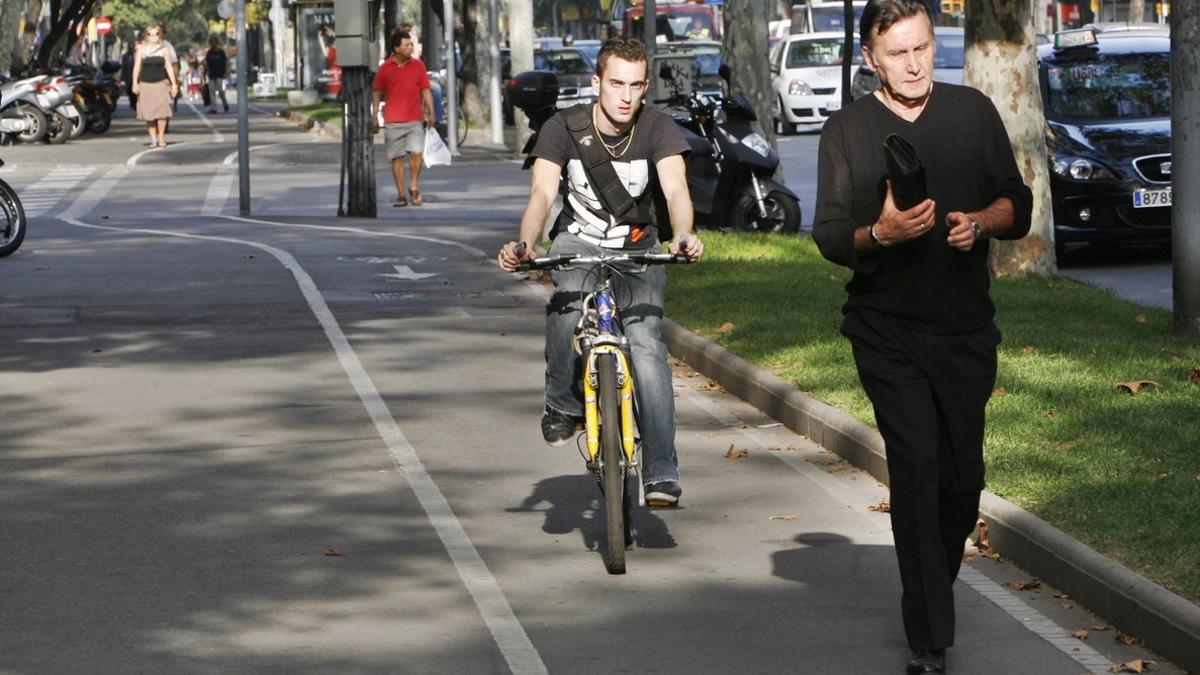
[12, 219]
[731, 168]
[20, 119]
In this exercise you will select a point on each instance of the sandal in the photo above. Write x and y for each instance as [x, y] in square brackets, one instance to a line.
[162, 144]
[416, 197]
[400, 202]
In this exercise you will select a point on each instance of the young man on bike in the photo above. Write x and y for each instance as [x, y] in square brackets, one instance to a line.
[646, 150]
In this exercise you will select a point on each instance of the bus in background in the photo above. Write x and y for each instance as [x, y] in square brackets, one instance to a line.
[677, 20]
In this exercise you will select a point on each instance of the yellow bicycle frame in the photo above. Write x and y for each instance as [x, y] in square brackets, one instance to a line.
[591, 408]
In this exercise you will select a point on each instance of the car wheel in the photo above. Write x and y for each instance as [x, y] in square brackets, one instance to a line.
[785, 128]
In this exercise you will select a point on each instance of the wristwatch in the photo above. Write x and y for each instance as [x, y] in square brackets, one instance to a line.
[976, 230]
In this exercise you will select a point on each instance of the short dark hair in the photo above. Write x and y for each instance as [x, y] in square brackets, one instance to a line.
[626, 48]
[396, 38]
[879, 15]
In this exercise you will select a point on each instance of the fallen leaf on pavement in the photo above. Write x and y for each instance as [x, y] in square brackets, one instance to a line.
[735, 453]
[1125, 639]
[1136, 385]
[1134, 666]
[1067, 605]
[982, 542]
[884, 506]
[1081, 634]
[1099, 628]
[787, 517]
[333, 551]
[1025, 585]
[724, 328]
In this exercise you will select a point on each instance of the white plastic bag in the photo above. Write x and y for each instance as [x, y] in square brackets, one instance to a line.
[436, 152]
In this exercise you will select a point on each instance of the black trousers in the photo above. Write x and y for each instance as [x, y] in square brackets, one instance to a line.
[929, 392]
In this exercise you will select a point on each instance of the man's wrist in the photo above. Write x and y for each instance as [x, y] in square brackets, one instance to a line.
[881, 243]
[976, 229]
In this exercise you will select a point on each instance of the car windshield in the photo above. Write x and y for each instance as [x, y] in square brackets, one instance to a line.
[810, 53]
[949, 52]
[566, 62]
[1130, 86]
[833, 18]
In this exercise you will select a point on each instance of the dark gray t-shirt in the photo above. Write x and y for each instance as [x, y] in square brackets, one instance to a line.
[655, 136]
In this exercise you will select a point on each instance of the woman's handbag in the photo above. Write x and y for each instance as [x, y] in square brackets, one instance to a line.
[906, 172]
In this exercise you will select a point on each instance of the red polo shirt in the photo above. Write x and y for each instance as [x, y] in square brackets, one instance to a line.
[401, 87]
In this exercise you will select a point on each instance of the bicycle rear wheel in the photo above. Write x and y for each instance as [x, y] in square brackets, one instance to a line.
[12, 220]
[612, 459]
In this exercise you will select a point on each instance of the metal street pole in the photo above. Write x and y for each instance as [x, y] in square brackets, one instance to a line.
[243, 68]
[497, 113]
[649, 34]
[451, 80]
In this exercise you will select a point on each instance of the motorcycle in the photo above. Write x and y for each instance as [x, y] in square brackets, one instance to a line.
[20, 119]
[12, 219]
[731, 168]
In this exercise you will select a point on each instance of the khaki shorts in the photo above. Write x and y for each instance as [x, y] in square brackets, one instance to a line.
[404, 137]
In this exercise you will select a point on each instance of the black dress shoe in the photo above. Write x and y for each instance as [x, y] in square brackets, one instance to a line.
[927, 662]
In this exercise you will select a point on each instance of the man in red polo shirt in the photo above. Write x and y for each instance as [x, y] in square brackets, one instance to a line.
[403, 85]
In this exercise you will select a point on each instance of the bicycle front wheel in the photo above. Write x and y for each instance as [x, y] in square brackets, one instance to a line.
[12, 220]
[462, 126]
[612, 459]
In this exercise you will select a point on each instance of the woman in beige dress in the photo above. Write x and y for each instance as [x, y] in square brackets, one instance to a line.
[155, 84]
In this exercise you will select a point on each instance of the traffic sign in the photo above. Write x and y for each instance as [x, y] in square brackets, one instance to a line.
[104, 25]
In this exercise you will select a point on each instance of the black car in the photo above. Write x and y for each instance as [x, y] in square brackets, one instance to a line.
[1107, 96]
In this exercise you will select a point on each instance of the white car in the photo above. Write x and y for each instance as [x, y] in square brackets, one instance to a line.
[806, 78]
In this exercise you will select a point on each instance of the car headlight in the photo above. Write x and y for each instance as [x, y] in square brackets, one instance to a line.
[799, 88]
[1080, 168]
[757, 143]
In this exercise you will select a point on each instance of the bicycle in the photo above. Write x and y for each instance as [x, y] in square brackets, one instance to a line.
[12, 219]
[613, 453]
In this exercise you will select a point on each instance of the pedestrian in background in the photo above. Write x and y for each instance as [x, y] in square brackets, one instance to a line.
[127, 60]
[919, 317]
[216, 69]
[403, 86]
[155, 84]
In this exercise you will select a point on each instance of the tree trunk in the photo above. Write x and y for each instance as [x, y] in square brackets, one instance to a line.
[63, 25]
[520, 31]
[1000, 62]
[359, 137]
[1137, 11]
[746, 53]
[1185, 153]
[473, 43]
[10, 19]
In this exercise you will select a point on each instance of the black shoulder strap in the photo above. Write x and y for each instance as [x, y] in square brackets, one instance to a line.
[596, 162]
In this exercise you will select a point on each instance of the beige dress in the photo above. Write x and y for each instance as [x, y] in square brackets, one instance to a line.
[154, 98]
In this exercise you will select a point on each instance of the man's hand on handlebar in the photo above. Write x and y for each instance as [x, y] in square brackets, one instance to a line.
[688, 245]
[514, 253]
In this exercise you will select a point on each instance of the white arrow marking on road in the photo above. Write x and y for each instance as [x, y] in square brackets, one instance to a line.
[406, 273]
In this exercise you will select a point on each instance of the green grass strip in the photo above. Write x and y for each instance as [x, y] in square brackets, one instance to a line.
[1120, 472]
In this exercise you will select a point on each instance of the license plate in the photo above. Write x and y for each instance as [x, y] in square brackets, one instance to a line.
[1145, 199]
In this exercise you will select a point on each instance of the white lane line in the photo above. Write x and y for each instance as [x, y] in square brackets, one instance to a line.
[220, 137]
[221, 185]
[1061, 638]
[510, 637]
[358, 230]
[132, 161]
[232, 157]
[43, 195]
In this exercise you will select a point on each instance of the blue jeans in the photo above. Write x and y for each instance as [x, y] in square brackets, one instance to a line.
[640, 305]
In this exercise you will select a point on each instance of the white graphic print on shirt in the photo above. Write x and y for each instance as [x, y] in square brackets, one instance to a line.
[590, 218]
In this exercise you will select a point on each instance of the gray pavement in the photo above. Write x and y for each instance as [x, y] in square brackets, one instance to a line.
[297, 443]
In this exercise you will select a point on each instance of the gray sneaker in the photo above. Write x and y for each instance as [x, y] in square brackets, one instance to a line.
[664, 493]
[557, 428]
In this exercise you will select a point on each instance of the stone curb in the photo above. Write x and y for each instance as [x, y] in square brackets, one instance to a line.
[473, 151]
[1166, 622]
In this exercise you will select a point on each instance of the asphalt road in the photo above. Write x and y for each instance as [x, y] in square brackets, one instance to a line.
[295, 443]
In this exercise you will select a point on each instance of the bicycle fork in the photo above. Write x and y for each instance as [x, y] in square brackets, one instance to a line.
[591, 408]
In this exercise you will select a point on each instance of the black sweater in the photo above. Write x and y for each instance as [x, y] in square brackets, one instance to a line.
[923, 283]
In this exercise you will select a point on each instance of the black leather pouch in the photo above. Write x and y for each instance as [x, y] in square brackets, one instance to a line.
[906, 172]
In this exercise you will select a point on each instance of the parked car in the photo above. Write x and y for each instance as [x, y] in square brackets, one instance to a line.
[574, 70]
[705, 57]
[947, 62]
[1107, 97]
[806, 78]
[589, 47]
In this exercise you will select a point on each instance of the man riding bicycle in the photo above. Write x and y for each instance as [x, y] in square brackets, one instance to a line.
[635, 140]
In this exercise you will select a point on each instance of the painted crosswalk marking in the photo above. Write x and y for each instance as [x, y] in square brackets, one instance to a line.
[52, 188]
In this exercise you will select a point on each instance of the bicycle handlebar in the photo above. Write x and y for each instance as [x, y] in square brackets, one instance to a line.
[567, 260]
